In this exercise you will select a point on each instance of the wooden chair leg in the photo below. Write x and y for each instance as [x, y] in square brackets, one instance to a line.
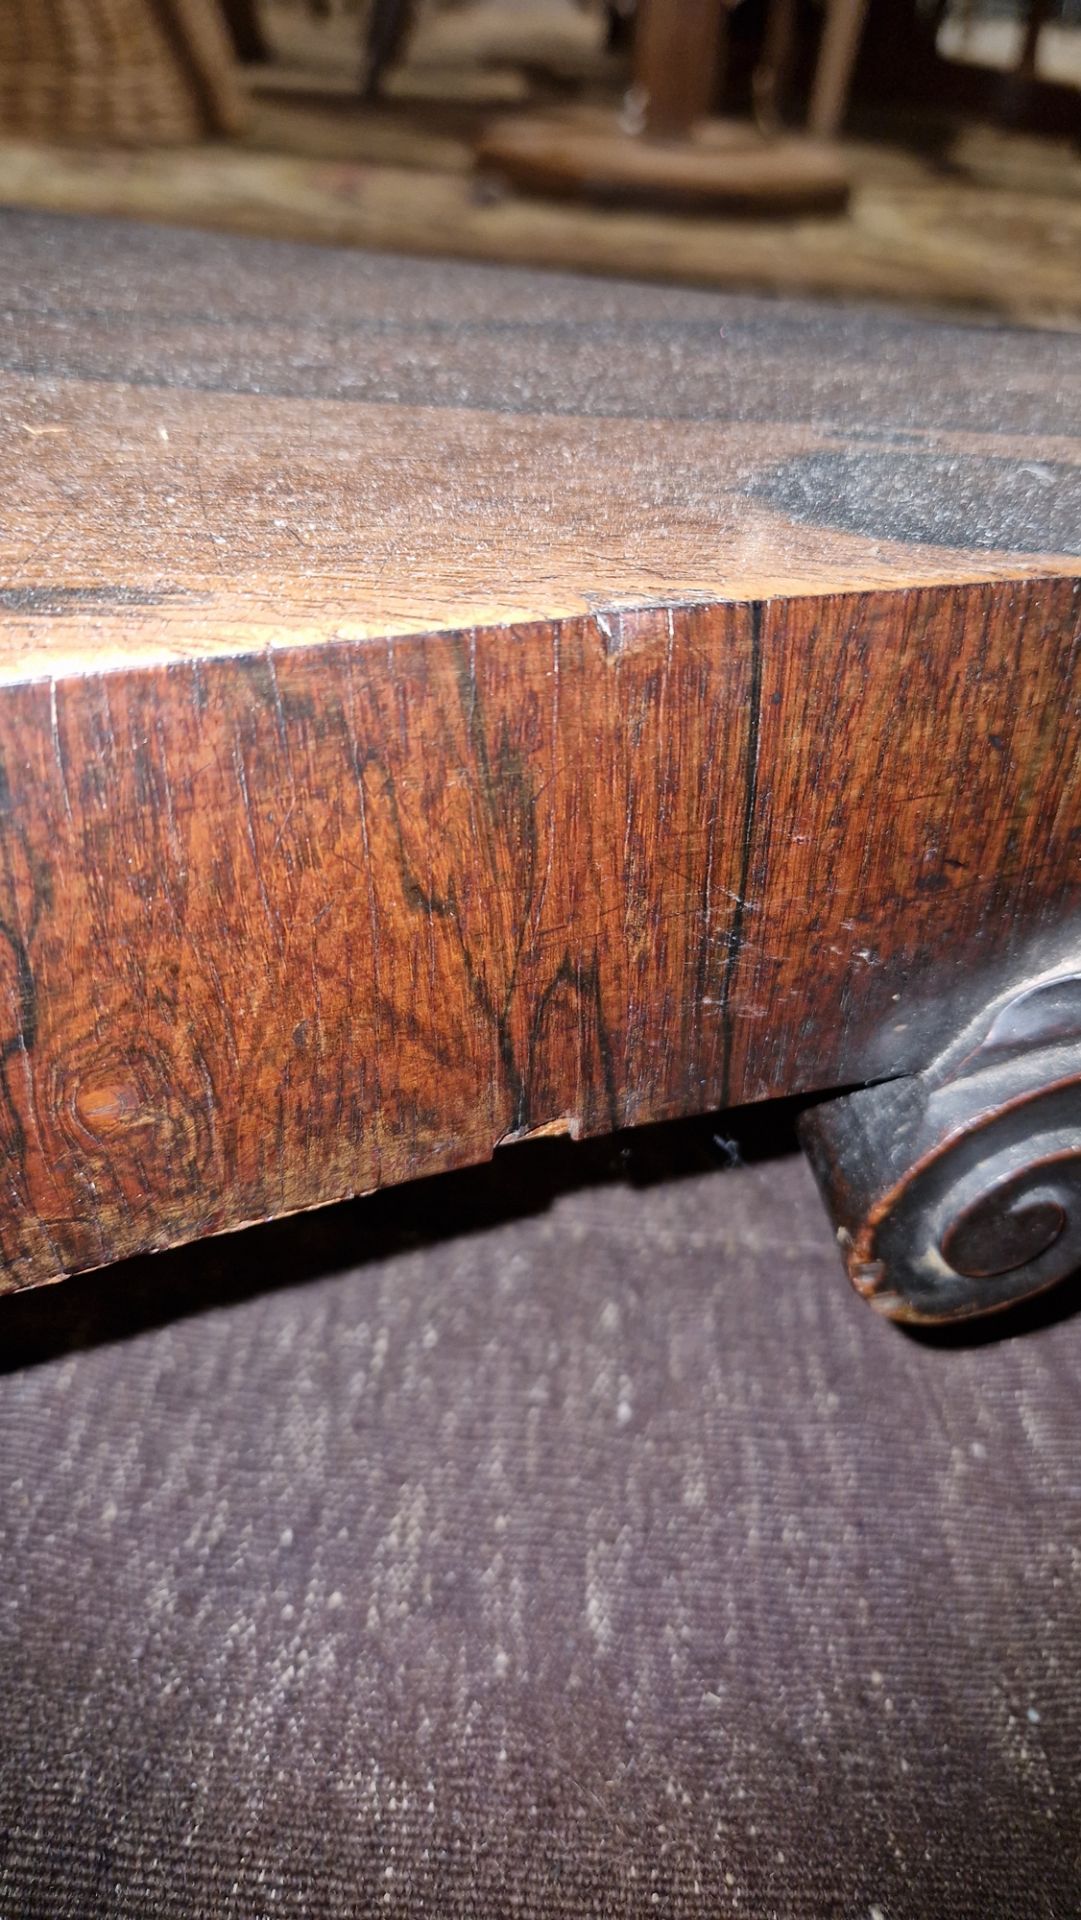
[675, 63]
[833, 74]
[245, 29]
[1039, 12]
[771, 74]
[389, 25]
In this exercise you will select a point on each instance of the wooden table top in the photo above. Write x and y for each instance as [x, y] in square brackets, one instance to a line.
[210, 444]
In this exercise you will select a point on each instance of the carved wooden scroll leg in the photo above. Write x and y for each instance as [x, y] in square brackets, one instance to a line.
[958, 1191]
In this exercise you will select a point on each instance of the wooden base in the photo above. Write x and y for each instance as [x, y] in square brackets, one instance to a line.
[721, 166]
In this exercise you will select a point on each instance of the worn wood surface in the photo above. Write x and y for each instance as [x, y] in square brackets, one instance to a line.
[437, 705]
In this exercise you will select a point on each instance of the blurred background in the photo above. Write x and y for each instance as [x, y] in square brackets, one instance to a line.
[921, 150]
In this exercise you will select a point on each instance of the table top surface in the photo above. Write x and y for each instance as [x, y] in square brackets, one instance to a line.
[209, 445]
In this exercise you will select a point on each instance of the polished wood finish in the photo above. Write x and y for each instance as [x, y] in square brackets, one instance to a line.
[957, 1191]
[438, 705]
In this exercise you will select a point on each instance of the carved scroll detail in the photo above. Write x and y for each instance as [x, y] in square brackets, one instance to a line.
[958, 1191]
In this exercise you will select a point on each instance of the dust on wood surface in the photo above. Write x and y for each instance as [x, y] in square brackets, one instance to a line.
[212, 445]
[441, 704]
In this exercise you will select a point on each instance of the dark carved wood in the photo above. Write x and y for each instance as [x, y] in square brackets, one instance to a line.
[438, 704]
[958, 1191]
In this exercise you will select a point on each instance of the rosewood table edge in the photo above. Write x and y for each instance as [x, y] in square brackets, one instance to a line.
[26, 666]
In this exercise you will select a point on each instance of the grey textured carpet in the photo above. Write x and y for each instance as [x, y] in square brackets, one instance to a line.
[536, 1542]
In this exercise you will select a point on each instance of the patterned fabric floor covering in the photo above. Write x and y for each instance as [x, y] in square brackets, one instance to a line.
[556, 1539]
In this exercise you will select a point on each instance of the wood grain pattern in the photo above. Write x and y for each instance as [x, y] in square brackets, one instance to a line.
[437, 705]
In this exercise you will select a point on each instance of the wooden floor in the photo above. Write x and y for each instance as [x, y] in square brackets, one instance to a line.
[976, 218]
